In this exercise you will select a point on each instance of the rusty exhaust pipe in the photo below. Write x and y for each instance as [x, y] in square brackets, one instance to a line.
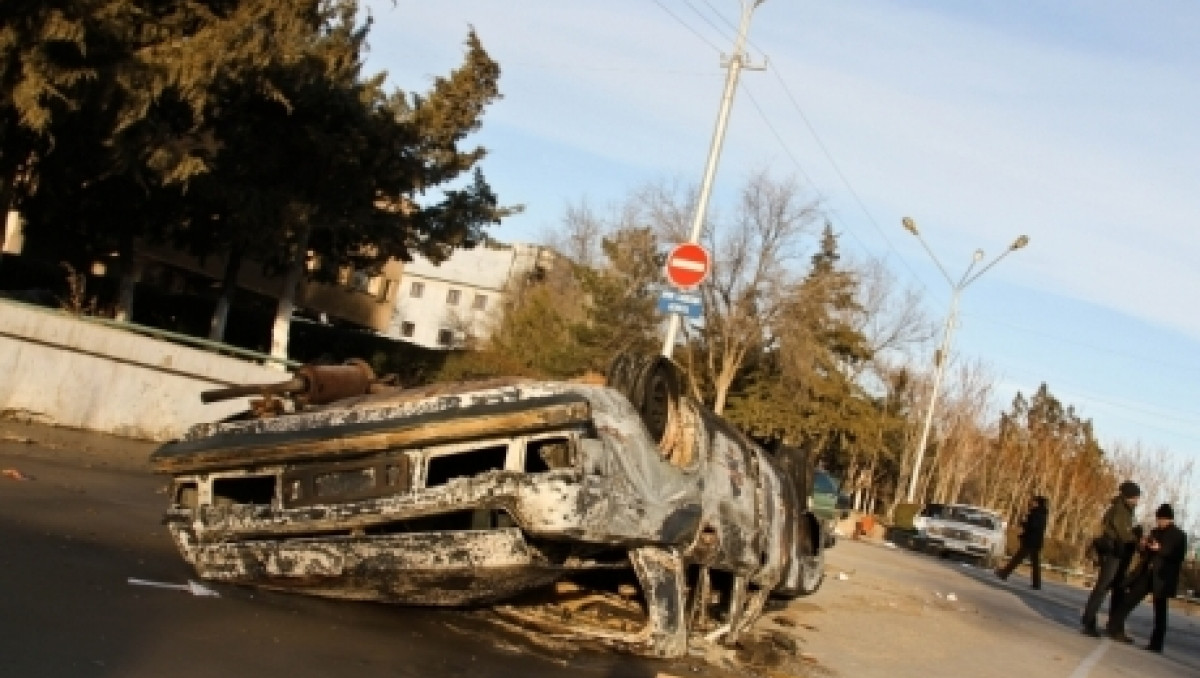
[314, 384]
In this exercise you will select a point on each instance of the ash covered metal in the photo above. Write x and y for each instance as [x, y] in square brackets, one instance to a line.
[506, 493]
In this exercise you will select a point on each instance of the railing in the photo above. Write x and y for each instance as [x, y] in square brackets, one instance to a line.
[176, 337]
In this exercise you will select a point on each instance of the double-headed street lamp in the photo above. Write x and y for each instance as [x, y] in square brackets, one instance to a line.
[941, 356]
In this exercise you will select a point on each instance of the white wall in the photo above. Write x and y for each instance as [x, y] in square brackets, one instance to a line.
[61, 370]
[486, 271]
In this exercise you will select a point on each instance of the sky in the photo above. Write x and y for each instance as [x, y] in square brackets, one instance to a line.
[1073, 122]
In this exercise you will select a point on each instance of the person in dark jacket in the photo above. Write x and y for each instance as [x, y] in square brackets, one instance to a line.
[1162, 552]
[1114, 547]
[1033, 534]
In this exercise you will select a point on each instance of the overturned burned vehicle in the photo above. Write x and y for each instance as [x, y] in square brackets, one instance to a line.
[626, 514]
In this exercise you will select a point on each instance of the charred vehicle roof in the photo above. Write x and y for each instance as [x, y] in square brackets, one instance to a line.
[541, 498]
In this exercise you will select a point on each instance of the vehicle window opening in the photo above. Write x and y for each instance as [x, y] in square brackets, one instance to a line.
[720, 591]
[258, 490]
[454, 521]
[447, 467]
[186, 495]
[547, 454]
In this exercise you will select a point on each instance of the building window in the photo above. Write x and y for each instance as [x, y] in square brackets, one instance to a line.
[452, 297]
[417, 289]
[407, 329]
[480, 302]
[445, 338]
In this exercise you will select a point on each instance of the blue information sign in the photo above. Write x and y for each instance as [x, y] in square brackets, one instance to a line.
[683, 303]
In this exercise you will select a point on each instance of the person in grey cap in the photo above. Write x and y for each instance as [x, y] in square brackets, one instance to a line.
[1162, 553]
[1114, 549]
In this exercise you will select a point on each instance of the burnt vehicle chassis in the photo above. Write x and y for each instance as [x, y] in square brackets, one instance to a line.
[493, 493]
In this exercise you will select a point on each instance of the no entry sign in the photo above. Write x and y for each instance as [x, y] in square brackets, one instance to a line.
[688, 265]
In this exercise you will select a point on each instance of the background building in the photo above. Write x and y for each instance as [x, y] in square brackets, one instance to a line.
[456, 303]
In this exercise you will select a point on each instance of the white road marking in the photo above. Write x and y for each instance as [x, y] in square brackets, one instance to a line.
[1089, 662]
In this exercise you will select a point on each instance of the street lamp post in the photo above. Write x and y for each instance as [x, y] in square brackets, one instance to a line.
[940, 358]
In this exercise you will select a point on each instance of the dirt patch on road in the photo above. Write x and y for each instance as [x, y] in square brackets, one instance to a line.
[83, 448]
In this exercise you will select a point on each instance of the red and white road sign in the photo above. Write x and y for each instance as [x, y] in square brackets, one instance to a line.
[688, 265]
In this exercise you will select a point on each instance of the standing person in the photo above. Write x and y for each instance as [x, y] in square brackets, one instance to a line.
[1158, 574]
[1114, 547]
[1033, 534]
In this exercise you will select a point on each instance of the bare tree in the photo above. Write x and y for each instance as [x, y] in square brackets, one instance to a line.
[752, 272]
[966, 432]
[580, 233]
[890, 317]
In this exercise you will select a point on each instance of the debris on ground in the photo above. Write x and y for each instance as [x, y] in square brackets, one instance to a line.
[783, 621]
[10, 438]
[842, 576]
[625, 515]
[14, 474]
[192, 587]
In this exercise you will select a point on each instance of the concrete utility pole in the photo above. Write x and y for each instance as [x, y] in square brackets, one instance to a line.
[943, 352]
[735, 63]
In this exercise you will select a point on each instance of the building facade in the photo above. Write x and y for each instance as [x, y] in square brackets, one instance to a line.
[356, 297]
[456, 304]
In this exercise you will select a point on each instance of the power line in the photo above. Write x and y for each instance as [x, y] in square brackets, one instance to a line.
[703, 17]
[831, 212]
[842, 176]
[1095, 347]
[727, 22]
[1120, 407]
[687, 26]
[821, 144]
[792, 156]
[782, 144]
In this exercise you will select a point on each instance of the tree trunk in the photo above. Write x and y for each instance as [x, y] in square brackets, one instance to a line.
[723, 380]
[233, 264]
[287, 299]
[131, 274]
[12, 238]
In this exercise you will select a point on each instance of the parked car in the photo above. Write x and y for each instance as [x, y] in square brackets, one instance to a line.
[538, 497]
[970, 531]
[827, 503]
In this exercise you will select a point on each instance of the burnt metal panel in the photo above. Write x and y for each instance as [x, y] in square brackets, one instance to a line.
[325, 483]
[357, 439]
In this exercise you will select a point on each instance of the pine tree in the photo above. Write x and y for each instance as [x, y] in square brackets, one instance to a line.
[239, 127]
[801, 389]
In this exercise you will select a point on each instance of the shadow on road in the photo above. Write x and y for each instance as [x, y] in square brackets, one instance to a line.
[1063, 604]
[71, 537]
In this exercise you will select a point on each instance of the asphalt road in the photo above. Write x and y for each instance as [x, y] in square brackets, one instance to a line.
[88, 519]
[890, 615]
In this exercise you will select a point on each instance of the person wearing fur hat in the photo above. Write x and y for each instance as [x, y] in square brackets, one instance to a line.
[1114, 549]
[1157, 574]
